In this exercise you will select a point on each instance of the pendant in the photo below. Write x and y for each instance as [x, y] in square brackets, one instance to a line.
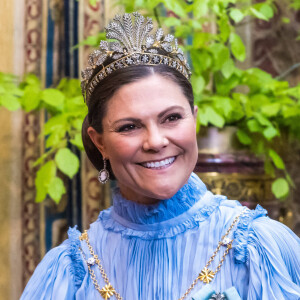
[107, 291]
[218, 296]
[206, 275]
[103, 176]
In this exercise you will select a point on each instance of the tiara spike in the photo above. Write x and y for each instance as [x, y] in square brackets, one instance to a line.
[134, 45]
[128, 27]
[139, 21]
[159, 34]
[145, 31]
[116, 31]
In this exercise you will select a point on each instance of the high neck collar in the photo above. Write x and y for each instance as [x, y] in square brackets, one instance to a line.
[164, 210]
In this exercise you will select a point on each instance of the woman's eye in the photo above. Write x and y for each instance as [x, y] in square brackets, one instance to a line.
[173, 117]
[127, 127]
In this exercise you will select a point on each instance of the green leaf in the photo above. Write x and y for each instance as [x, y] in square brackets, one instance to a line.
[201, 117]
[200, 8]
[221, 55]
[237, 47]
[198, 83]
[56, 189]
[77, 141]
[254, 126]
[224, 28]
[213, 117]
[56, 123]
[200, 40]
[32, 80]
[53, 97]
[31, 98]
[54, 138]
[243, 137]
[67, 161]
[264, 9]
[224, 105]
[195, 24]
[172, 21]
[228, 68]
[270, 132]
[44, 176]
[236, 15]
[277, 160]
[176, 7]
[201, 61]
[271, 109]
[10, 102]
[280, 188]
[262, 120]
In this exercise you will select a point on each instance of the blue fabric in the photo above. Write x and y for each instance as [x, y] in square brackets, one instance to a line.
[155, 252]
[232, 294]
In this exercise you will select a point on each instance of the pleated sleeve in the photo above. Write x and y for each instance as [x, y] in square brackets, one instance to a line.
[272, 254]
[60, 273]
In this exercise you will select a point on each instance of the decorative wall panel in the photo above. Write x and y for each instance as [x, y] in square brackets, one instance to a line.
[31, 146]
[93, 195]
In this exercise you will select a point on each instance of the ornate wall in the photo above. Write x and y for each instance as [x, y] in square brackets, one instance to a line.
[11, 60]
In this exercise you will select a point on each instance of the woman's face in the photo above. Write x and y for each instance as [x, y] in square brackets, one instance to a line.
[149, 137]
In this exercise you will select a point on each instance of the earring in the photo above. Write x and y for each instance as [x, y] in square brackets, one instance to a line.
[103, 175]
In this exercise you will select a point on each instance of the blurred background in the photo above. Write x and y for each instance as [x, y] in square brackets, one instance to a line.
[245, 57]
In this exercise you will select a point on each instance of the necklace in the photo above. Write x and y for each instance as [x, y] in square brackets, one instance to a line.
[206, 275]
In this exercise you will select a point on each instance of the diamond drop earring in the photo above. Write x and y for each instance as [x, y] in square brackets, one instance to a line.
[103, 175]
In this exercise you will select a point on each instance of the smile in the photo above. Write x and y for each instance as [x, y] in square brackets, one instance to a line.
[159, 164]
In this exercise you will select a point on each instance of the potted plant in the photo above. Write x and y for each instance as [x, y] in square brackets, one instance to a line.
[260, 107]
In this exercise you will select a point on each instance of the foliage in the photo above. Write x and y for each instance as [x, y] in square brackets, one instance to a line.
[66, 110]
[262, 108]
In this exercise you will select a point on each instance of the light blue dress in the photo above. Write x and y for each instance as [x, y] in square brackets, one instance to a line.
[155, 252]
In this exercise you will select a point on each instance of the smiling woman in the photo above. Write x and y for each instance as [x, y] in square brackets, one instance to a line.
[165, 237]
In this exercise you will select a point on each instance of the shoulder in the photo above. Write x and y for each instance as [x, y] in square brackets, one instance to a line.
[270, 251]
[255, 229]
[60, 273]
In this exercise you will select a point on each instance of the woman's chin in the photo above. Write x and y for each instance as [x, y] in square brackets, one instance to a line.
[163, 192]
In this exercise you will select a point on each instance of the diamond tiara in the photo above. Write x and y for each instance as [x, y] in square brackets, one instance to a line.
[134, 45]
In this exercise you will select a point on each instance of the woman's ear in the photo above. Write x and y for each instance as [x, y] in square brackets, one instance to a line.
[97, 139]
[195, 112]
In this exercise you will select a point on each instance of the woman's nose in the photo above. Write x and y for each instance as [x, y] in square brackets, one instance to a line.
[155, 139]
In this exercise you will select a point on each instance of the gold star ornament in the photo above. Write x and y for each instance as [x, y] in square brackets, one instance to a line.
[107, 291]
[206, 275]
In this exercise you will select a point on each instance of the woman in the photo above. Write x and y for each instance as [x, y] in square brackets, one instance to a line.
[166, 236]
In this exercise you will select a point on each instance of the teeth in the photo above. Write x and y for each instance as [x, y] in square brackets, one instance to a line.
[159, 164]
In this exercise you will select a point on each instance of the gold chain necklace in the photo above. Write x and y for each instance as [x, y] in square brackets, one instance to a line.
[206, 275]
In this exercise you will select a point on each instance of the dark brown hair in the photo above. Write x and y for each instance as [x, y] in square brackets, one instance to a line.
[97, 105]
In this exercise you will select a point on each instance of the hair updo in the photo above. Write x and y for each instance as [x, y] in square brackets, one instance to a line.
[97, 106]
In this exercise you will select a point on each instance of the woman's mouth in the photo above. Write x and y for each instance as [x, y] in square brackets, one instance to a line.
[159, 164]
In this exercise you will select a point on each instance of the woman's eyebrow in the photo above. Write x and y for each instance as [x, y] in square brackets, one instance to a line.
[136, 120]
[169, 109]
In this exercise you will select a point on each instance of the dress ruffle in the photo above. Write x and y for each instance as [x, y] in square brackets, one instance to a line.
[77, 267]
[241, 234]
[191, 205]
[164, 210]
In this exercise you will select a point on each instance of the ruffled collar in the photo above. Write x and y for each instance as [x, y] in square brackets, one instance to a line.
[189, 206]
[164, 210]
